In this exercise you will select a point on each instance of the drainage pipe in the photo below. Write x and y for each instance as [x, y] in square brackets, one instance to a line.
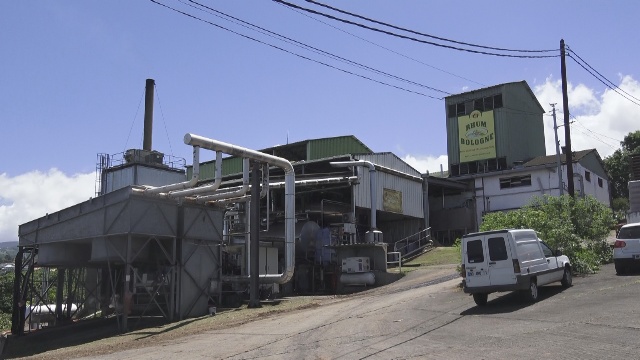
[372, 183]
[289, 200]
[183, 185]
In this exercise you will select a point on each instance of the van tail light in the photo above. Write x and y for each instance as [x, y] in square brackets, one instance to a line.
[516, 266]
[619, 244]
[463, 273]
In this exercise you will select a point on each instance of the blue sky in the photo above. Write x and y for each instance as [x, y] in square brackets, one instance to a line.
[72, 78]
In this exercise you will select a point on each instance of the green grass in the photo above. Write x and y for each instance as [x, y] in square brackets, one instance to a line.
[437, 256]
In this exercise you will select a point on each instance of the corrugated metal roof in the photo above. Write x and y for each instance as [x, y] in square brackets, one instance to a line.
[551, 159]
[305, 150]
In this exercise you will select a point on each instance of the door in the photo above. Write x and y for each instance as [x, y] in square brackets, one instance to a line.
[476, 262]
[554, 273]
[500, 263]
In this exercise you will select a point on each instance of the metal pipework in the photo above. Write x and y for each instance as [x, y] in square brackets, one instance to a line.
[372, 184]
[289, 200]
[202, 189]
[231, 194]
[183, 185]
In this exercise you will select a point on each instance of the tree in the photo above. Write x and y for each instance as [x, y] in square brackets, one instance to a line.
[578, 227]
[617, 165]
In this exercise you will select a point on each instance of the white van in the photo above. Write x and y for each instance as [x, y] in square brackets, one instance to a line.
[508, 260]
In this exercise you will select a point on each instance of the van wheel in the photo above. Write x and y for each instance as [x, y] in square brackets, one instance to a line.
[480, 299]
[531, 295]
[567, 279]
[620, 269]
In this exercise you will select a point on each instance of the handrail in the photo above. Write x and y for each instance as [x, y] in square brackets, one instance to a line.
[413, 244]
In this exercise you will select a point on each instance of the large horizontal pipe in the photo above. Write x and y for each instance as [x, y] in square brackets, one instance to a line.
[203, 189]
[183, 185]
[372, 184]
[289, 200]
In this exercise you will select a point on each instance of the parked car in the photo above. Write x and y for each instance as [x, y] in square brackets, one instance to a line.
[626, 249]
[509, 260]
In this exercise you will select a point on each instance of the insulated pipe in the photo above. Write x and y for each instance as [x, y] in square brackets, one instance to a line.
[372, 184]
[289, 200]
[183, 185]
[203, 189]
[231, 194]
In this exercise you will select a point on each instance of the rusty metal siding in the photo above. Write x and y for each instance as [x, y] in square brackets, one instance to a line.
[329, 147]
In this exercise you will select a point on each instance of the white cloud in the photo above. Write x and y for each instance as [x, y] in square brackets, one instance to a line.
[32, 195]
[424, 163]
[600, 120]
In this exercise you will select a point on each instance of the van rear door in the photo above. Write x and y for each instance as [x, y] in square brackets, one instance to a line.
[500, 260]
[476, 261]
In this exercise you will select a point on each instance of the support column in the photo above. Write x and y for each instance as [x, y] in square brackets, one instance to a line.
[254, 284]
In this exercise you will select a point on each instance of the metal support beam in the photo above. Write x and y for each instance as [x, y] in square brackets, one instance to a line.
[254, 285]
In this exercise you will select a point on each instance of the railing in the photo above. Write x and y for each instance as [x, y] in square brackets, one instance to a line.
[393, 258]
[413, 245]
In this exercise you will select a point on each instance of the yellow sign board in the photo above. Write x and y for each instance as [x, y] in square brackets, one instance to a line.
[477, 136]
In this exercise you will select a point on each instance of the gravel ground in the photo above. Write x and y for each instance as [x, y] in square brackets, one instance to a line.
[100, 337]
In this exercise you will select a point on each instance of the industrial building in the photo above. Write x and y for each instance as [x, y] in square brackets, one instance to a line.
[174, 240]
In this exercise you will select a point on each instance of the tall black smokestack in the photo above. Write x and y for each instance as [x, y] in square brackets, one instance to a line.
[148, 115]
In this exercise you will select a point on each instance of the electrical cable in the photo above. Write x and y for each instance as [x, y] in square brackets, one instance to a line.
[133, 122]
[591, 131]
[602, 81]
[424, 34]
[163, 120]
[409, 37]
[291, 52]
[596, 71]
[303, 45]
[380, 46]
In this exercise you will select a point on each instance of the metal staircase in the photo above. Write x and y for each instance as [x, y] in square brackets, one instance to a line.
[414, 245]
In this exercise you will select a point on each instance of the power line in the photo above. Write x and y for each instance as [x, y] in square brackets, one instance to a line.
[591, 131]
[614, 88]
[424, 34]
[291, 52]
[409, 37]
[593, 137]
[380, 46]
[602, 76]
[272, 34]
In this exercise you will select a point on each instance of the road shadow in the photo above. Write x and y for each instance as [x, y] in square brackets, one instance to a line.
[502, 303]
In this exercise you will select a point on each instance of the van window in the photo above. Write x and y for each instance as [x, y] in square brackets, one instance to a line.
[629, 232]
[474, 251]
[529, 250]
[545, 249]
[497, 249]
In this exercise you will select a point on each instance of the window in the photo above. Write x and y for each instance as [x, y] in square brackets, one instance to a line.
[587, 176]
[599, 182]
[474, 251]
[481, 104]
[545, 249]
[497, 101]
[452, 110]
[516, 181]
[497, 249]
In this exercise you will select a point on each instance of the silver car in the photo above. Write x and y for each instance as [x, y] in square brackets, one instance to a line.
[626, 250]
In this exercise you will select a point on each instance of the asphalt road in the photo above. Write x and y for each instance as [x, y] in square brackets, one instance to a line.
[597, 318]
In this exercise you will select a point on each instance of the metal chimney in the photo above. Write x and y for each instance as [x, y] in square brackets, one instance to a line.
[148, 114]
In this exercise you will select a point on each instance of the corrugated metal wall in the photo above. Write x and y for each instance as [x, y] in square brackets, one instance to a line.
[140, 175]
[519, 126]
[411, 190]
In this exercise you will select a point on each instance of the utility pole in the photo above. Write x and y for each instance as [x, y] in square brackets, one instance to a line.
[559, 163]
[567, 131]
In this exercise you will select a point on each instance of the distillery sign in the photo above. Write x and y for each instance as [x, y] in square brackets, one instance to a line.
[477, 136]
